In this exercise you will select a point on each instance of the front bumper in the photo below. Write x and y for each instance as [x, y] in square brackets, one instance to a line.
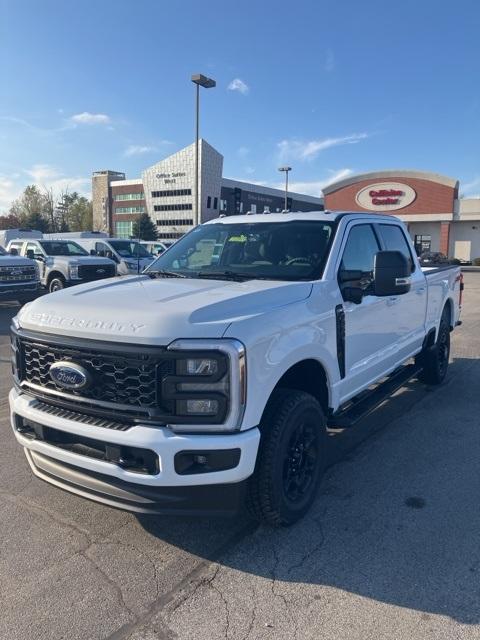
[165, 492]
[14, 290]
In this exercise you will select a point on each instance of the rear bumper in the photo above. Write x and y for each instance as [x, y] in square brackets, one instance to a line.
[163, 492]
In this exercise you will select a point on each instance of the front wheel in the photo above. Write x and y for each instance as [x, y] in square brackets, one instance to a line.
[56, 284]
[434, 360]
[291, 459]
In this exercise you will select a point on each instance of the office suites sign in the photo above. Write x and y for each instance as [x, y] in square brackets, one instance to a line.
[385, 196]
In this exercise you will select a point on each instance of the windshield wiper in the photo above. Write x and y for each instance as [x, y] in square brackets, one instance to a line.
[229, 275]
[162, 273]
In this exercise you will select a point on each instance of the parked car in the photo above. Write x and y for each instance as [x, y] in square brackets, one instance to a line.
[19, 278]
[211, 378]
[130, 256]
[63, 263]
[433, 257]
[154, 247]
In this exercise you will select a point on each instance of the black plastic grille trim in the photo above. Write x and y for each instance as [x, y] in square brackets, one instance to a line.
[96, 271]
[67, 414]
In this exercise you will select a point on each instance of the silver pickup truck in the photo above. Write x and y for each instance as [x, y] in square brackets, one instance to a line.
[63, 263]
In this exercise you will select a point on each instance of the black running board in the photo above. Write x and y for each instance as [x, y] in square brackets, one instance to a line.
[362, 405]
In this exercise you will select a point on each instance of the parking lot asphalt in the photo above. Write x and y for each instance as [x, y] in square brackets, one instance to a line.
[391, 548]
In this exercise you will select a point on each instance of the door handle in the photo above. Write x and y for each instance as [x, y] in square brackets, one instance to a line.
[421, 290]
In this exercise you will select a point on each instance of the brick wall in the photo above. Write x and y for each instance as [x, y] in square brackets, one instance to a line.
[431, 197]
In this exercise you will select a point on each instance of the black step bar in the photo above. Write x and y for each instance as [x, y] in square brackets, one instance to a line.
[362, 405]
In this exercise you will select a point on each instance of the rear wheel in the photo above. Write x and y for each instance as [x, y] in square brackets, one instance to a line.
[291, 458]
[434, 360]
[56, 284]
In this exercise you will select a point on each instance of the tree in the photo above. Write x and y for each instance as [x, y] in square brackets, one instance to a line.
[80, 213]
[10, 222]
[144, 228]
[31, 201]
[38, 222]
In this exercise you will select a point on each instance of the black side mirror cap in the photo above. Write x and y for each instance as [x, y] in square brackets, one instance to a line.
[353, 294]
[391, 274]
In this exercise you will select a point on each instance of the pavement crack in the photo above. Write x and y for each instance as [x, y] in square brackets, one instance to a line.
[279, 595]
[210, 583]
[114, 586]
[313, 550]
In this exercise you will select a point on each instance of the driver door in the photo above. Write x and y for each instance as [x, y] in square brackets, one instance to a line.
[368, 337]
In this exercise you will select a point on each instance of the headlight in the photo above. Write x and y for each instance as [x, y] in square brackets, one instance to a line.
[73, 271]
[37, 271]
[207, 390]
[132, 266]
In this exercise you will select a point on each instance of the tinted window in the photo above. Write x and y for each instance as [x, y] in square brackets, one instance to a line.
[61, 248]
[360, 250]
[394, 240]
[294, 250]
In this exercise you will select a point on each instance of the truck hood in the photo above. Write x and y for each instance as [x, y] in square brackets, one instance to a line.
[70, 260]
[15, 261]
[145, 311]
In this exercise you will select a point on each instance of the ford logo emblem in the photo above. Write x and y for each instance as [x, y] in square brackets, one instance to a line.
[69, 375]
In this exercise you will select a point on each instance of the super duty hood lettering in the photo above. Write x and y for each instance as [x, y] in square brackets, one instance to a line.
[46, 319]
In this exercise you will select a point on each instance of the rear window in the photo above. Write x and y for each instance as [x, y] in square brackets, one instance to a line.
[394, 240]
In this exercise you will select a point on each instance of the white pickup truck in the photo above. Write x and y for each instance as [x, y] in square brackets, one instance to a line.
[212, 379]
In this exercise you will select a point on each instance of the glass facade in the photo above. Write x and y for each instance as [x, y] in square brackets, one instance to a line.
[124, 229]
[120, 210]
[129, 196]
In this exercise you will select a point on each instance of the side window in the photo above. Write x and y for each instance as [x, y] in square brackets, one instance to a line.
[16, 245]
[33, 246]
[359, 254]
[394, 240]
[101, 249]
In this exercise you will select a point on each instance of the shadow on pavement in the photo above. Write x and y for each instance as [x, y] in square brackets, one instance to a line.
[396, 520]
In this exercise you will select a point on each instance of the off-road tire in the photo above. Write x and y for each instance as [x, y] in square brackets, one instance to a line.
[270, 489]
[434, 359]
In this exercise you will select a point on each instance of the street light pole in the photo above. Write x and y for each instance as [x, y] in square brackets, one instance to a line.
[286, 170]
[201, 81]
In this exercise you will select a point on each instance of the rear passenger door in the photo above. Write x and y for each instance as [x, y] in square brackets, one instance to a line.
[407, 311]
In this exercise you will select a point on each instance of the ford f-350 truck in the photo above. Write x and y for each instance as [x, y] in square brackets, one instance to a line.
[212, 378]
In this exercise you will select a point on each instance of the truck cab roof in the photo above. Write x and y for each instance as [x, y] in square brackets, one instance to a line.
[310, 216]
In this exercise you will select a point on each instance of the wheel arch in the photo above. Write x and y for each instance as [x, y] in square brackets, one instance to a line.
[308, 375]
[55, 274]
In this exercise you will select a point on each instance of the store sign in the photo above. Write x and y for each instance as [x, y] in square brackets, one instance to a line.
[385, 196]
[169, 178]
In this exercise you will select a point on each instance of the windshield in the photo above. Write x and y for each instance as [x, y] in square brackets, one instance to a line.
[57, 248]
[130, 249]
[293, 250]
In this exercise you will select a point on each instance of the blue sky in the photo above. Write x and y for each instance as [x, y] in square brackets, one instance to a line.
[332, 88]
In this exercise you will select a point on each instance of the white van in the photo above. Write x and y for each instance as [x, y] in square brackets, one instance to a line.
[154, 247]
[130, 256]
[13, 234]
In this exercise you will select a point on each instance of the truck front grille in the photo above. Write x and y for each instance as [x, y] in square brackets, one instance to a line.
[17, 274]
[121, 375]
[90, 272]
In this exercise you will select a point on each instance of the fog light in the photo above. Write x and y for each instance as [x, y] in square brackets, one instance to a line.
[202, 407]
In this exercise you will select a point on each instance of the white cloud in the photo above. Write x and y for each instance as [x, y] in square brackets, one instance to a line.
[238, 85]
[293, 149]
[9, 190]
[138, 150]
[329, 61]
[49, 177]
[90, 118]
[243, 152]
[471, 189]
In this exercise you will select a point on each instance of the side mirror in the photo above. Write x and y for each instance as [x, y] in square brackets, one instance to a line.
[391, 274]
[30, 254]
[353, 294]
[13, 251]
[93, 252]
